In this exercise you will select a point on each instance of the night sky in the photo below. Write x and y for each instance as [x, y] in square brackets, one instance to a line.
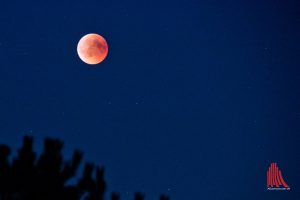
[195, 98]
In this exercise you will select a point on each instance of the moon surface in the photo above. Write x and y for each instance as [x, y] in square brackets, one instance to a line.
[92, 48]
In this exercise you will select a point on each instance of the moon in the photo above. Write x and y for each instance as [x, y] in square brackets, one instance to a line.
[92, 49]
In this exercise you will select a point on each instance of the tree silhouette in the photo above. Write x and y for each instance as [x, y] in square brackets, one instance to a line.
[29, 177]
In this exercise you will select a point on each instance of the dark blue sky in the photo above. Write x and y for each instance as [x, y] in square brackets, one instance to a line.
[195, 99]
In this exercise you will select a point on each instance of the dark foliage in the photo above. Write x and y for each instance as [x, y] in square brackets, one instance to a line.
[29, 177]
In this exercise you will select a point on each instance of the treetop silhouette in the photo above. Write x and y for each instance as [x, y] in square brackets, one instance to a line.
[44, 177]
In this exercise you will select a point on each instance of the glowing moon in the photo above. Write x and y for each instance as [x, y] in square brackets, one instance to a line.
[92, 49]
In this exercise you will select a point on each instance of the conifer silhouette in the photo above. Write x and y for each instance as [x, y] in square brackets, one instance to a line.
[44, 177]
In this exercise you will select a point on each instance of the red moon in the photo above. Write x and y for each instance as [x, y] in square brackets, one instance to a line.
[92, 49]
